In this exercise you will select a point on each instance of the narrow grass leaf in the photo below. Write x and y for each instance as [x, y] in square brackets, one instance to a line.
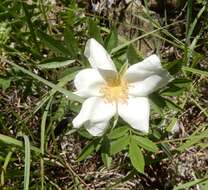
[51, 93]
[6, 162]
[190, 184]
[67, 93]
[196, 71]
[193, 140]
[42, 141]
[193, 24]
[55, 65]
[27, 163]
[14, 142]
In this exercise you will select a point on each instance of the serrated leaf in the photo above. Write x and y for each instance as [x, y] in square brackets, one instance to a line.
[94, 31]
[176, 87]
[132, 55]
[119, 144]
[87, 150]
[158, 102]
[181, 82]
[118, 132]
[71, 43]
[172, 90]
[136, 156]
[112, 39]
[55, 65]
[174, 66]
[145, 143]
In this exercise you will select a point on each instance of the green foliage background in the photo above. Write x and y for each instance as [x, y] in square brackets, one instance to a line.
[41, 50]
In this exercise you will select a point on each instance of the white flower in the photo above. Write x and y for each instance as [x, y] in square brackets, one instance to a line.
[107, 92]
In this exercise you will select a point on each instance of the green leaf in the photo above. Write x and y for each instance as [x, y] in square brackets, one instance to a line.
[112, 39]
[88, 149]
[174, 67]
[105, 145]
[181, 82]
[94, 31]
[106, 159]
[30, 25]
[5, 83]
[118, 132]
[193, 139]
[191, 183]
[53, 44]
[71, 42]
[145, 143]
[158, 102]
[27, 163]
[176, 87]
[196, 71]
[171, 125]
[172, 90]
[67, 93]
[172, 105]
[132, 55]
[14, 142]
[54, 65]
[82, 131]
[136, 156]
[119, 144]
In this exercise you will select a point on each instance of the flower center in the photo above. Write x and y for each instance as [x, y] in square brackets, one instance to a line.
[115, 90]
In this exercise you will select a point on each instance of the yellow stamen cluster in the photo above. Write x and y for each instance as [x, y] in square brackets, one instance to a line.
[115, 90]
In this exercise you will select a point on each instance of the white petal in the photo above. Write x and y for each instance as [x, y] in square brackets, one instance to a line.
[136, 113]
[88, 83]
[97, 129]
[149, 84]
[98, 56]
[143, 69]
[146, 77]
[94, 115]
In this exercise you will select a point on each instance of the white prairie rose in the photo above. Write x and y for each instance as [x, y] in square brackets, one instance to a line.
[107, 92]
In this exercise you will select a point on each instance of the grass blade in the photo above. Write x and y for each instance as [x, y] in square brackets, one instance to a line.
[11, 141]
[42, 142]
[27, 163]
[67, 93]
[55, 65]
[195, 71]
